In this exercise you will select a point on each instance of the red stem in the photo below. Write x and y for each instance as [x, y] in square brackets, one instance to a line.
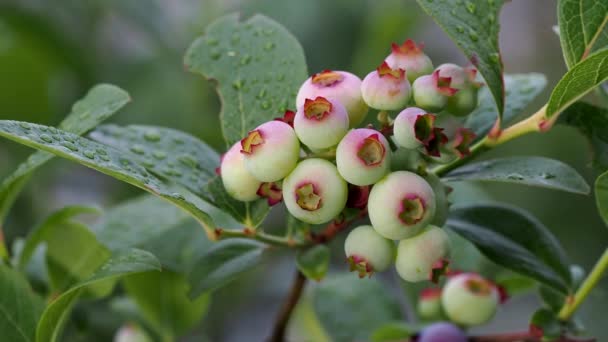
[524, 336]
[335, 227]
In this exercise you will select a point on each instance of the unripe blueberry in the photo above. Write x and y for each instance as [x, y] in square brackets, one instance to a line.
[386, 88]
[442, 332]
[131, 333]
[363, 156]
[341, 86]
[368, 252]
[413, 127]
[401, 205]
[463, 79]
[420, 256]
[410, 57]
[441, 199]
[238, 182]
[469, 299]
[321, 123]
[431, 92]
[314, 192]
[271, 151]
[429, 303]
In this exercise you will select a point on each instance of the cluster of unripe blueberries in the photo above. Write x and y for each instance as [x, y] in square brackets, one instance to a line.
[316, 158]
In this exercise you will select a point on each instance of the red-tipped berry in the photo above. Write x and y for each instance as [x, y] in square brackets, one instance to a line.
[341, 86]
[386, 88]
[271, 151]
[431, 92]
[414, 127]
[368, 252]
[401, 205]
[469, 299]
[238, 181]
[321, 123]
[363, 156]
[314, 192]
[420, 257]
[429, 303]
[272, 192]
[463, 79]
[409, 56]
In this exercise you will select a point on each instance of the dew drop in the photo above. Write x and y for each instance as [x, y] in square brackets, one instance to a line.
[262, 93]
[46, 138]
[265, 105]
[473, 35]
[187, 160]
[102, 151]
[215, 54]
[495, 57]
[104, 157]
[138, 149]
[25, 126]
[125, 162]
[515, 176]
[159, 154]
[269, 46]
[471, 7]
[70, 146]
[178, 141]
[89, 154]
[84, 115]
[178, 196]
[491, 18]
[280, 77]
[147, 163]
[268, 31]
[237, 84]
[152, 135]
[212, 41]
[547, 175]
[231, 53]
[245, 59]
[460, 29]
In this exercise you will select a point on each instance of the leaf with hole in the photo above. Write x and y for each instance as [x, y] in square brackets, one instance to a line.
[101, 102]
[533, 171]
[57, 312]
[578, 81]
[582, 27]
[258, 67]
[473, 26]
[515, 240]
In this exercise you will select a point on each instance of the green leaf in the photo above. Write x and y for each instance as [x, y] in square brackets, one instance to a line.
[162, 298]
[314, 262]
[578, 81]
[20, 307]
[393, 332]
[515, 240]
[533, 171]
[258, 67]
[581, 27]
[351, 309]
[182, 159]
[222, 263]
[521, 90]
[99, 157]
[57, 312]
[473, 26]
[98, 104]
[553, 299]
[601, 195]
[592, 122]
[547, 322]
[45, 230]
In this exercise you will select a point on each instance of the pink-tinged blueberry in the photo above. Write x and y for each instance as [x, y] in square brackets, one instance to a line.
[363, 156]
[386, 88]
[341, 86]
[314, 192]
[271, 151]
[442, 332]
[423, 257]
[321, 123]
[131, 333]
[409, 56]
[413, 128]
[463, 79]
[429, 303]
[431, 92]
[238, 181]
[401, 205]
[368, 252]
[469, 299]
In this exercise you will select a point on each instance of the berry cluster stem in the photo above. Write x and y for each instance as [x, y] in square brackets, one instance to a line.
[280, 325]
[572, 303]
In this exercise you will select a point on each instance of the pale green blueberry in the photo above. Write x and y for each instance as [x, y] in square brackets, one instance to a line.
[413, 127]
[418, 256]
[429, 303]
[131, 333]
[463, 79]
[431, 92]
[321, 123]
[441, 199]
[238, 182]
[363, 156]
[469, 299]
[368, 252]
[386, 88]
[409, 57]
[271, 151]
[401, 205]
[314, 192]
[341, 86]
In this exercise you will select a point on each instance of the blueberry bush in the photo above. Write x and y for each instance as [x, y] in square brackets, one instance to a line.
[372, 160]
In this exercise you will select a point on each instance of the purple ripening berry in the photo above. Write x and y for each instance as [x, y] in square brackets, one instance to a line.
[442, 332]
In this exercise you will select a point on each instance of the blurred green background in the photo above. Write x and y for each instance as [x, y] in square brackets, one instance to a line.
[51, 52]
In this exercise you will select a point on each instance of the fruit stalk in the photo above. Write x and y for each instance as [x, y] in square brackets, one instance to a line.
[280, 325]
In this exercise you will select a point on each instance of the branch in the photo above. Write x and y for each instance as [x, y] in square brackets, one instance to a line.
[335, 227]
[280, 325]
[247, 233]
